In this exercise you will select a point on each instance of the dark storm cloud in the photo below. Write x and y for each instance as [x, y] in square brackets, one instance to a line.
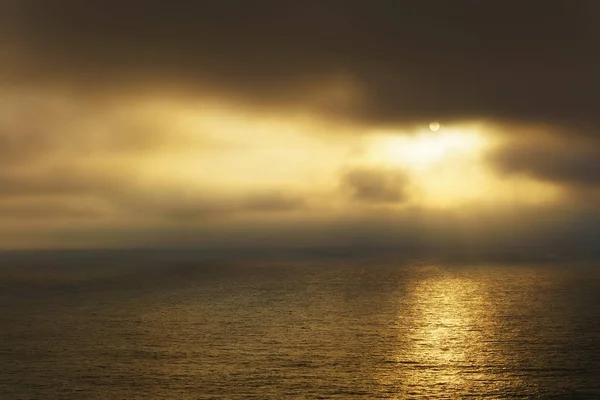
[534, 60]
[376, 185]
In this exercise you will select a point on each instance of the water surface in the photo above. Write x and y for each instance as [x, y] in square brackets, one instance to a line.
[304, 329]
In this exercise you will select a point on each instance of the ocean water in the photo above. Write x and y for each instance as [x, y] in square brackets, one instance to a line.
[310, 328]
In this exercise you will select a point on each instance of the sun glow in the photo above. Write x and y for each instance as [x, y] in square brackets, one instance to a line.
[224, 152]
[424, 150]
[448, 167]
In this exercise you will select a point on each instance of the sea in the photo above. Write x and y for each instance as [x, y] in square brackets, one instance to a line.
[183, 325]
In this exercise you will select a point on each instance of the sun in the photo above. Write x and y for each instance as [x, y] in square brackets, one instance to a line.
[434, 126]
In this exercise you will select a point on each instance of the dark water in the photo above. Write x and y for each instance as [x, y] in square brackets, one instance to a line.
[311, 329]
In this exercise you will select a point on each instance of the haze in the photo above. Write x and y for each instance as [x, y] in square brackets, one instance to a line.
[170, 124]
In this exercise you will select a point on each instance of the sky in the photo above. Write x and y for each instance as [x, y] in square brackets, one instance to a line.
[412, 124]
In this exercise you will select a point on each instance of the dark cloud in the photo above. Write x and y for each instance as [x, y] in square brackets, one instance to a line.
[64, 181]
[63, 193]
[40, 209]
[376, 185]
[537, 232]
[194, 209]
[534, 60]
[567, 162]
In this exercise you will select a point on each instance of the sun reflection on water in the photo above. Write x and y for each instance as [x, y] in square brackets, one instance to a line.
[442, 324]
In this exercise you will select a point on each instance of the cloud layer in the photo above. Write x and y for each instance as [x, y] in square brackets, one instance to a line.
[410, 61]
[216, 122]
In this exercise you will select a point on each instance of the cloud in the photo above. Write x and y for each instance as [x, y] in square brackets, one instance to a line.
[567, 161]
[498, 233]
[120, 111]
[412, 62]
[63, 181]
[39, 125]
[63, 208]
[40, 193]
[186, 209]
[376, 185]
